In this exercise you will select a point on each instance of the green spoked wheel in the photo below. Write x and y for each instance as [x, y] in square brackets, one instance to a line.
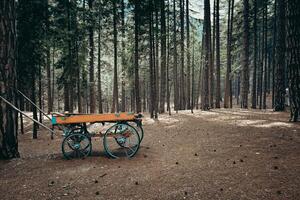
[121, 140]
[76, 145]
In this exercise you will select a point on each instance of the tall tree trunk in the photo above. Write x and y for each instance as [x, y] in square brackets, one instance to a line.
[136, 58]
[49, 86]
[200, 79]
[100, 104]
[123, 94]
[228, 81]
[245, 62]
[274, 53]
[156, 58]
[48, 62]
[254, 57]
[280, 59]
[265, 33]
[188, 56]
[168, 60]
[212, 63]
[293, 61]
[115, 105]
[182, 79]
[8, 81]
[175, 74]
[193, 76]
[163, 59]
[205, 91]
[91, 69]
[261, 68]
[69, 64]
[218, 63]
[152, 77]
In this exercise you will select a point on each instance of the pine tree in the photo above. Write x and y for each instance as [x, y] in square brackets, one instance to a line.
[293, 61]
[218, 73]
[8, 81]
[245, 61]
[280, 59]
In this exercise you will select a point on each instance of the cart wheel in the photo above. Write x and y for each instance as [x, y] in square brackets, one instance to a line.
[76, 145]
[139, 129]
[121, 140]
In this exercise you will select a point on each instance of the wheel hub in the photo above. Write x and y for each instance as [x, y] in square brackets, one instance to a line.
[76, 146]
[121, 140]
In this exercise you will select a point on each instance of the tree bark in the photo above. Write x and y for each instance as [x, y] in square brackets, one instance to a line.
[280, 59]
[265, 32]
[115, 105]
[151, 60]
[123, 94]
[100, 104]
[163, 59]
[175, 75]
[205, 91]
[8, 81]
[182, 79]
[91, 52]
[293, 61]
[228, 81]
[245, 62]
[254, 57]
[218, 71]
[188, 57]
[136, 57]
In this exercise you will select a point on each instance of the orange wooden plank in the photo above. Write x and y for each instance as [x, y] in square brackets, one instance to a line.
[92, 118]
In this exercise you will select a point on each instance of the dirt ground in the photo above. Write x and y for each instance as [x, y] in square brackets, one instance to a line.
[220, 154]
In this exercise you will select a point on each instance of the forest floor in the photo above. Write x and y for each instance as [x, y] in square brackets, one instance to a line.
[219, 154]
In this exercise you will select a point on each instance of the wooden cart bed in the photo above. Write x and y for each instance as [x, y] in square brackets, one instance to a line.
[92, 118]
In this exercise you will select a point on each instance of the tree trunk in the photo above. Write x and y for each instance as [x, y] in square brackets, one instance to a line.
[123, 94]
[175, 74]
[168, 60]
[100, 105]
[182, 81]
[115, 105]
[293, 61]
[205, 91]
[8, 81]
[136, 58]
[218, 63]
[151, 60]
[91, 52]
[228, 81]
[193, 76]
[274, 53]
[280, 59]
[245, 62]
[188, 57]
[212, 64]
[254, 57]
[163, 59]
[265, 32]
